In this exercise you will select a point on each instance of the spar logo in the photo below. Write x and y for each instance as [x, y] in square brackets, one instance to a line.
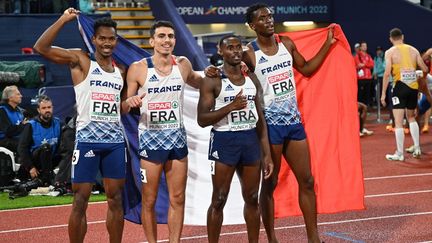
[278, 77]
[163, 105]
[105, 97]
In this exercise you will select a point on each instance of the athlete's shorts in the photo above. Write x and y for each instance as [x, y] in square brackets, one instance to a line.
[278, 134]
[89, 158]
[235, 148]
[162, 156]
[423, 105]
[404, 97]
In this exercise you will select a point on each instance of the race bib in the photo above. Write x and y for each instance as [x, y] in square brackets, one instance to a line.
[104, 107]
[408, 76]
[395, 100]
[143, 175]
[163, 115]
[244, 119]
[75, 156]
[282, 86]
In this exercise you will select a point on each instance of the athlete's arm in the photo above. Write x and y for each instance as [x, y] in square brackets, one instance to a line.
[307, 68]
[427, 56]
[420, 62]
[73, 57]
[136, 71]
[388, 65]
[423, 87]
[262, 129]
[209, 90]
[193, 78]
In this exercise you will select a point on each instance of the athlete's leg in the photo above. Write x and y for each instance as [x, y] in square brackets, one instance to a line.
[150, 176]
[398, 115]
[114, 221]
[297, 155]
[414, 127]
[77, 226]
[221, 181]
[176, 175]
[266, 194]
[426, 118]
[250, 179]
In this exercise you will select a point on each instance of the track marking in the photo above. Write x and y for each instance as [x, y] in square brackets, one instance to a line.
[46, 227]
[397, 193]
[343, 236]
[302, 225]
[396, 176]
[43, 207]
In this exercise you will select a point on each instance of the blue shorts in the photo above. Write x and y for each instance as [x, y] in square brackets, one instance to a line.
[162, 156]
[423, 105]
[90, 158]
[235, 148]
[278, 134]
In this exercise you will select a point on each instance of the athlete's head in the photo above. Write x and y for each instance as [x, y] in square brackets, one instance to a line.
[162, 37]
[45, 107]
[230, 48]
[11, 95]
[260, 19]
[104, 37]
[396, 35]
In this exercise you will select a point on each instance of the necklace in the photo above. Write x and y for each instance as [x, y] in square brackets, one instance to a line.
[165, 73]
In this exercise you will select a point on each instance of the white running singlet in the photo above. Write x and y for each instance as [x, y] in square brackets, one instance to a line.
[237, 120]
[98, 106]
[161, 122]
[276, 76]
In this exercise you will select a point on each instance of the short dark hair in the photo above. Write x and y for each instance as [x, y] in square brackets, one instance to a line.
[227, 37]
[43, 98]
[104, 22]
[396, 33]
[251, 9]
[160, 23]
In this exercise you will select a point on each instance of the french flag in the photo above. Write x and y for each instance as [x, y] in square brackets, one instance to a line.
[328, 104]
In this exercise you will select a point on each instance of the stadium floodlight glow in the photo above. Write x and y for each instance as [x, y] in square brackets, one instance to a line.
[297, 23]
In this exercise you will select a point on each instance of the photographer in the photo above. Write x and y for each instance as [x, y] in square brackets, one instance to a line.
[38, 146]
[12, 119]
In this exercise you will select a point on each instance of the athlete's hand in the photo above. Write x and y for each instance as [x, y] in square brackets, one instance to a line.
[330, 35]
[212, 71]
[239, 102]
[135, 101]
[268, 167]
[33, 172]
[70, 14]
[383, 102]
[244, 67]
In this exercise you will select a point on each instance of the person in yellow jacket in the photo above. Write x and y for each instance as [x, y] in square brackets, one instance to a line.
[402, 62]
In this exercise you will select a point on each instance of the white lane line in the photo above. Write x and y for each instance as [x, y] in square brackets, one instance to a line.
[43, 207]
[323, 223]
[366, 179]
[46, 227]
[396, 176]
[397, 193]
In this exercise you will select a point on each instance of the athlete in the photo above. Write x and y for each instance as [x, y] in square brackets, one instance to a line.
[232, 105]
[99, 144]
[402, 60]
[159, 81]
[272, 58]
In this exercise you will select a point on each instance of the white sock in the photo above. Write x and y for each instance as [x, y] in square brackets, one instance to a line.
[400, 136]
[415, 134]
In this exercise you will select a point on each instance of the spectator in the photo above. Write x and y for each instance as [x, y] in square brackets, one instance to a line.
[364, 64]
[378, 71]
[356, 49]
[86, 6]
[22, 6]
[38, 144]
[12, 119]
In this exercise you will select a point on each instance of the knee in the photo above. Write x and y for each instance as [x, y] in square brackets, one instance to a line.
[114, 201]
[251, 199]
[219, 201]
[307, 183]
[148, 202]
[177, 199]
[80, 203]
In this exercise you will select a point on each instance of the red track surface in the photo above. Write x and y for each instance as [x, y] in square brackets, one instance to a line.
[398, 200]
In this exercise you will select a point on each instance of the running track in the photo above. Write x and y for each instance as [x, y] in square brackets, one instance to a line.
[398, 200]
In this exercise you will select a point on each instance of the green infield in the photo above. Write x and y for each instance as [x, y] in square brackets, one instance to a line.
[37, 201]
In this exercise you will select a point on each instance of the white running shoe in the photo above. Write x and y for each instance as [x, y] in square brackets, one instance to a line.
[395, 157]
[410, 149]
[417, 152]
[367, 132]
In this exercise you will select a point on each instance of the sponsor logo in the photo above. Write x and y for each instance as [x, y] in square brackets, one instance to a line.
[104, 97]
[96, 72]
[144, 154]
[89, 154]
[153, 78]
[278, 77]
[159, 106]
[215, 154]
[229, 88]
[262, 60]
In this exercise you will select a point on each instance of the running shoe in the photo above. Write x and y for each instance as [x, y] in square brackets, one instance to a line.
[367, 132]
[410, 149]
[417, 152]
[425, 129]
[395, 157]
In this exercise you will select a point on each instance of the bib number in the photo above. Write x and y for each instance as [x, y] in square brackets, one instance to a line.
[408, 76]
[282, 86]
[244, 119]
[163, 115]
[104, 107]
